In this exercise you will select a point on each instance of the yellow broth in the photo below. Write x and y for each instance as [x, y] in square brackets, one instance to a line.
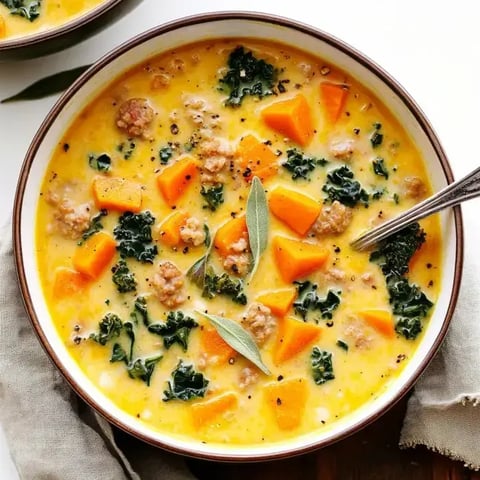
[51, 14]
[373, 358]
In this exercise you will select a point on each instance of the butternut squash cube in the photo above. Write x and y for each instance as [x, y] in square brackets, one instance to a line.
[174, 180]
[287, 400]
[256, 159]
[94, 255]
[291, 118]
[293, 337]
[117, 193]
[278, 301]
[170, 228]
[296, 259]
[333, 98]
[206, 411]
[296, 210]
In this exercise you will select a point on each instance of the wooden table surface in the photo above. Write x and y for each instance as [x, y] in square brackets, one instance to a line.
[371, 454]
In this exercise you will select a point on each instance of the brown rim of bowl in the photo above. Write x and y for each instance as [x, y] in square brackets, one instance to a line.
[55, 32]
[213, 17]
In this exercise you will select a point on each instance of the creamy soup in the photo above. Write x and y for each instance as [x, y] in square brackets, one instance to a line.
[19, 18]
[193, 240]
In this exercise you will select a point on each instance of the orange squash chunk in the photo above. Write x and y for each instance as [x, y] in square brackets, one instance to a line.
[256, 159]
[291, 118]
[170, 228]
[174, 180]
[296, 210]
[293, 337]
[297, 259]
[94, 255]
[380, 320]
[287, 400]
[117, 193]
[230, 232]
[333, 98]
[68, 282]
[278, 301]
[206, 411]
[215, 346]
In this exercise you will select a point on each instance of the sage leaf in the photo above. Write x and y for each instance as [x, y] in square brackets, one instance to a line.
[47, 86]
[197, 272]
[238, 338]
[257, 221]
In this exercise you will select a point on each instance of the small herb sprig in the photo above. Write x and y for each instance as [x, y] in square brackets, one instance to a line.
[238, 338]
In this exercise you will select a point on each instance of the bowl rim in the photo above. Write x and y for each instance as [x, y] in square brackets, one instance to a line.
[331, 40]
[76, 23]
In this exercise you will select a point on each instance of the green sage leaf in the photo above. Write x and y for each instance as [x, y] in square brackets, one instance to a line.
[47, 86]
[257, 221]
[238, 338]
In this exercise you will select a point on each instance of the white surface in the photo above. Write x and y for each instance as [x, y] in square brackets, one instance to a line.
[431, 47]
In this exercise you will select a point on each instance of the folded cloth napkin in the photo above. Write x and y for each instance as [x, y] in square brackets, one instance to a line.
[443, 412]
[51, 433]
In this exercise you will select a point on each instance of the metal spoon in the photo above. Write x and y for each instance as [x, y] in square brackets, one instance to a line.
[457, 192]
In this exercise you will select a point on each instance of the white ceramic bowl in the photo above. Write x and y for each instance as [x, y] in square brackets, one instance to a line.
[66, 34]
[172, 35]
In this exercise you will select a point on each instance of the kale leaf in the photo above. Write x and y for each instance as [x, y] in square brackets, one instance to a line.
[341, 186]
[322, 366]
[165, 154]
[134, 234]
[309, 301]
[408, 301]
[410, 328]
[185, 384]
[24, 8]
[143, 368]
[140, 311]
[223, 285]
[176, 329]
[379, 167]
[101, 162]
[109, 327]
[301, 165]
[123, 278]
[119, 354]
[376, 138]
[94, 227]
[247, 75]
[213, 196]
[394, 253]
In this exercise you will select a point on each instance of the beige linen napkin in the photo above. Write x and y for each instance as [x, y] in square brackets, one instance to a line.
[51, 433]
[443, 412]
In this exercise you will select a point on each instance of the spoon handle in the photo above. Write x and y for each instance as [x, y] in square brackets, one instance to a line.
[457, 192]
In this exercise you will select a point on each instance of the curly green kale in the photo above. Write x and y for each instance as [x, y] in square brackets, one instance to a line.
[185, 384]
[301, 165]
[109, 327]
[394, 253]
[247, 75]
[408, 301]
[123, 278]
[223, 285]
[134, 236]
[213, 196]
[143, 368]
[309, 301]
[342, 186]
[29, 10]
[176, 329]
[322, 366]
